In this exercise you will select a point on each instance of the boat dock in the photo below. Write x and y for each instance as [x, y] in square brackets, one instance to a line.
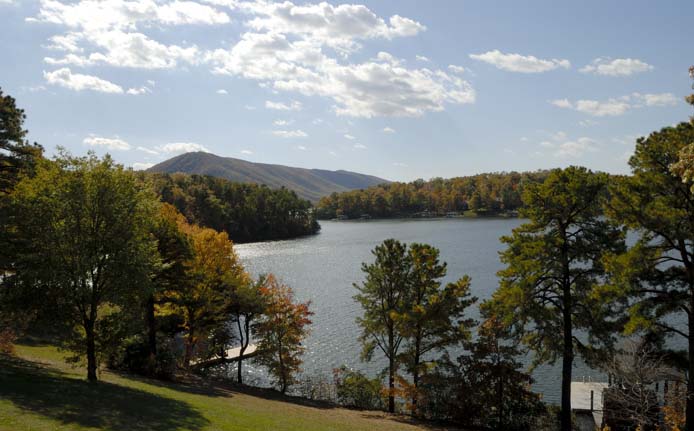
[231, 355]
[587, 403]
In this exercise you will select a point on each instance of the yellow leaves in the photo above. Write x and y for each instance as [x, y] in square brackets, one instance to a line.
[674, 409]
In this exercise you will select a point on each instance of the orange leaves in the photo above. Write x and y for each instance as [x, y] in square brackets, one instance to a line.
[281, 331]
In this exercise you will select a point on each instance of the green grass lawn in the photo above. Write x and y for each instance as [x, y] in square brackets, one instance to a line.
[38, 391]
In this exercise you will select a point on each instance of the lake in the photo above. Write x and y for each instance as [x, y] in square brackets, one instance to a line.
[322, 268]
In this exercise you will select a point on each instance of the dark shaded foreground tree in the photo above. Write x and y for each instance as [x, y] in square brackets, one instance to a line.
[87, 253]
[553, 263]
[383, 296]
[170, 272]
[433, 317]
[636, 369]
[18, 158]
[246, 306]
[657, 273]
[281, 330]
[484, 388]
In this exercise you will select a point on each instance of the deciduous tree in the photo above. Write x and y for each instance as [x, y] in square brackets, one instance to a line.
[85, 221]
[247, 305]
[214, 271]
[281, 331]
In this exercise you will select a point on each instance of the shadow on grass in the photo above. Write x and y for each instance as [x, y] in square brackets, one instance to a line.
[275, 395]
[181, 383]
[54, 395]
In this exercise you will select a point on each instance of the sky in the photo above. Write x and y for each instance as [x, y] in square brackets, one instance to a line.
[398, 89]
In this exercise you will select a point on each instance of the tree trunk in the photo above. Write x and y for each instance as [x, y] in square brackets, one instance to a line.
[415, 375]
[91, 350]
[239, 372]
[689, 424]
[391, 372]
[188, 355]
[567, 364]
[283, 374]
[568, 353]
[151, 328]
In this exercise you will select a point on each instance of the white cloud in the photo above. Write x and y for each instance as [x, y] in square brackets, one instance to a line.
[617, 67]
[282, 122]
[339, 26]
[147, 150]
[221, 91]
[662, 99]
[350, 137]
[180, 148]
[575, 149]
[246, 152]
[92, 15]
[400, 165]
[301, 147]
[119, 48]
[138, 166]
[78, 82]
[456, 69]
[189, 12]
[374, 88]
[249, 108]
[360, 146]
[290, 133]
[317, 121]
[140, 90]
[108, 143]
[303, 49]
[520, 63]
[388, 130]
[562, 103]
[279, 106]
[421, 58]
[66, 42]
[619, 106]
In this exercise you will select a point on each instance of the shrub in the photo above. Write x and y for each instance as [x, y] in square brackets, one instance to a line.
[7, 339]
[354, 389]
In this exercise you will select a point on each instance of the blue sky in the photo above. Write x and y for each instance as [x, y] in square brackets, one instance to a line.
[399, 89]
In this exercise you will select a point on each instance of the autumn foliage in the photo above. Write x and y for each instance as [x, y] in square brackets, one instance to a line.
[281, 331]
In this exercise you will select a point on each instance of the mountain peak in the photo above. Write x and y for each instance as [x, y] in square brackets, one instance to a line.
[311, 184]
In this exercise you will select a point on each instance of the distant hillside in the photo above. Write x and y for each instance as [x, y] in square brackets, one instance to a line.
[311, 184]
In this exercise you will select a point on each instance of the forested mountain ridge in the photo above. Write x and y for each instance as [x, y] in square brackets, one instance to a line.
[489, 193]
[247, 212]
[311, 184]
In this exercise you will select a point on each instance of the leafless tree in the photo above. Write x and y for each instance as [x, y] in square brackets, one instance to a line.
[633, 398]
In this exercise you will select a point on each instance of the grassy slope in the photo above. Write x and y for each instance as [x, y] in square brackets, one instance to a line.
[39, 392]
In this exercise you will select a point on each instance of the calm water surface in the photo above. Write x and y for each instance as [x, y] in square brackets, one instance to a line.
[323, 268]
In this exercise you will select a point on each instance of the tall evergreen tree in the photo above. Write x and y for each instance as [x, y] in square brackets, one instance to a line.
[553, 263]
[657, 273]
[17, 158]
[383, 296]
[433, 317]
